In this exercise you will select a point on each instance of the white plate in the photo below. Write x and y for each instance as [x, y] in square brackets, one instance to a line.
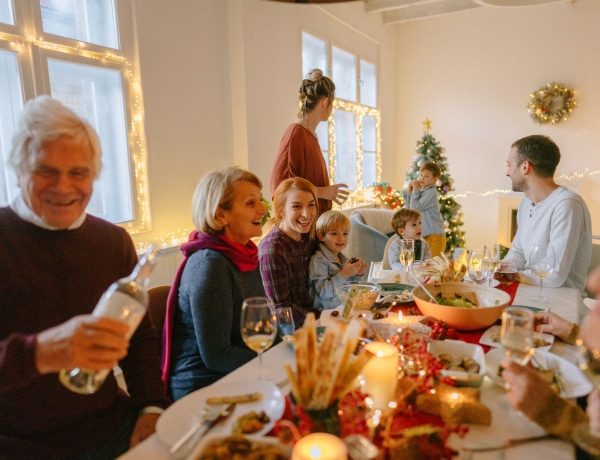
[467, 279]
[574, 381]
[287, 450]
[458, 348]
[487, 338]
[180, 416]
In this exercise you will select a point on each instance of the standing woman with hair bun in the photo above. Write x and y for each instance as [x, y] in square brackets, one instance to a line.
[299, 151]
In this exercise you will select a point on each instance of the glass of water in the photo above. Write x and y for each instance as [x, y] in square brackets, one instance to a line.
[285, 319]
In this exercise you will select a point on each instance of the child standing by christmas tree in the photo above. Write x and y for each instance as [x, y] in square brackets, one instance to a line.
[422, 196]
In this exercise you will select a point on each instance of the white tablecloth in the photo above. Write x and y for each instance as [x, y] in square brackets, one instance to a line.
[505, 423]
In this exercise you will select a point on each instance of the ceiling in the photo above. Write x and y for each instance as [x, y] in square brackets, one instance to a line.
[395, 11]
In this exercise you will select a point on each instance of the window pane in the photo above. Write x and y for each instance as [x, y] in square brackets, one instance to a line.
[345, 148]
[369, 156]
[11, 104]
[314, 54]
[91, 21]
[368, 88]
[344, 74]
[96, 94]
[7, 15]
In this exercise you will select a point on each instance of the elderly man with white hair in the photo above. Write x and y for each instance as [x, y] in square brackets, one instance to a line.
[56, 261]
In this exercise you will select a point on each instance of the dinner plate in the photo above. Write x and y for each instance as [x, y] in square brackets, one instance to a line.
[573, 381]
[264, 441]
[467, 279]
[180, 416]
[326, 319]
[494, 332]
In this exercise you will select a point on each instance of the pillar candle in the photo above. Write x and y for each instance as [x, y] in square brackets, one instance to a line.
[380, 375]
[320, 446]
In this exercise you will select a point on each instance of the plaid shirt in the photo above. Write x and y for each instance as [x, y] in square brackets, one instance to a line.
[284, 271]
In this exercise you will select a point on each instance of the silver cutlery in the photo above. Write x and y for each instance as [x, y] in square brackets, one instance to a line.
[487, 446]
[205, 423]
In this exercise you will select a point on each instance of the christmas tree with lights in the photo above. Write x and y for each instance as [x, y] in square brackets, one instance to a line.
[428, 150]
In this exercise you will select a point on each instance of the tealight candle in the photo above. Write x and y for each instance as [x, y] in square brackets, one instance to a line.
[320, 446]
[380, 374]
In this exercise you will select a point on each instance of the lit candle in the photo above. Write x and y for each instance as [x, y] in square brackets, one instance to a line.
[320, 446]
[380, 375]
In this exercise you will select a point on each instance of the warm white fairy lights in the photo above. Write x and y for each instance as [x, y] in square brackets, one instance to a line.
[359, 111]
[138, 152]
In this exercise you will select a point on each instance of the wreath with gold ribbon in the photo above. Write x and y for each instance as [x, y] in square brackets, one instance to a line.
[552, 103]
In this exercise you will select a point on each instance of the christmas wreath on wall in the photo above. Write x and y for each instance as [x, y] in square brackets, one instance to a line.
[552, 103]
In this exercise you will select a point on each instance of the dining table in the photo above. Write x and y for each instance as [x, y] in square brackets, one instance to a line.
[506, 423]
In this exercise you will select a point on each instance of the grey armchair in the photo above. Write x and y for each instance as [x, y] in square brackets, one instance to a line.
[371, 228]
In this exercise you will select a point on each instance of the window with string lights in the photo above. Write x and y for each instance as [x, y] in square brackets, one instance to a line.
[79, 52]
[350, 140]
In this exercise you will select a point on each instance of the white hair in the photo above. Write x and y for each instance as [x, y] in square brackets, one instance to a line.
[45, 119]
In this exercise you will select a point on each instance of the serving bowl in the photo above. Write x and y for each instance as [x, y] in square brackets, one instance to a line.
[365, 294]
[459, 351]
[491, 302]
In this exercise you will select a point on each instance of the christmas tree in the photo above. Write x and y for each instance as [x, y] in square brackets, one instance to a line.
[428, 149]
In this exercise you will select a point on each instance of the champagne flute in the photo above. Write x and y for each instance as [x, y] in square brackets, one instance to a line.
[516, 334]
[589, 362]
[479, 266]
[541, 261]
[494, 256]
[407, 254]
[258, 326]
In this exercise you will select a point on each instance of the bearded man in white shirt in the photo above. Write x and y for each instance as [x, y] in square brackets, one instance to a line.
[548, 215]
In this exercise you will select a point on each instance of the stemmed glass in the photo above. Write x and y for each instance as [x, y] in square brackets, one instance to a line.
[589, 363]
[516, 334]
[541, 261]
[258, 326]
[494, 253]
[479, 265]
[407, 254]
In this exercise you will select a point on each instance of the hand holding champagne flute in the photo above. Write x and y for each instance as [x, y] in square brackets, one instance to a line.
[258, 326]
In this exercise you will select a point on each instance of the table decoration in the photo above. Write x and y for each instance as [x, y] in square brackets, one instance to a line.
[380, 375]
[320, 446]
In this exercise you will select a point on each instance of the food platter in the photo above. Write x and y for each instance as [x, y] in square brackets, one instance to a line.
[265, 442]
[180, 416]
[573, 382]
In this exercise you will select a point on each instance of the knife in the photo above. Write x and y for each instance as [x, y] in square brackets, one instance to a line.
[183, 445]
[487, 446]
[238, 399]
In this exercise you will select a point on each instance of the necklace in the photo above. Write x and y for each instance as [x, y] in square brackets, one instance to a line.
[304, 124]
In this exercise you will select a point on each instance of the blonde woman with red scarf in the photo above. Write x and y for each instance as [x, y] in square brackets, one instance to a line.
[202, 339]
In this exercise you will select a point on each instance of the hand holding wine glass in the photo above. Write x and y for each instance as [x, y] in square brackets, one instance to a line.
[583, 435]
[258, 326]
[516, 334]
[541, 260]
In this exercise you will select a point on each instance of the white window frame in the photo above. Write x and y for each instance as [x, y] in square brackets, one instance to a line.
[355, 107]
[34, 48]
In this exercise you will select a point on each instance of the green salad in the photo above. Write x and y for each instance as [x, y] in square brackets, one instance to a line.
[454, 302]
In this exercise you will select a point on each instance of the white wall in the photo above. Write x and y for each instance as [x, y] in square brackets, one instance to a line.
[220, 81]
[472, 73]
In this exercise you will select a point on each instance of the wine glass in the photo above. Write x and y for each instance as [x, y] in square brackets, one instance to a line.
[494, 253]
[258, 326]
[541, 261]
[589, 362]
[407, 254]
[479, 266]
[285, 319]
[516, 334]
